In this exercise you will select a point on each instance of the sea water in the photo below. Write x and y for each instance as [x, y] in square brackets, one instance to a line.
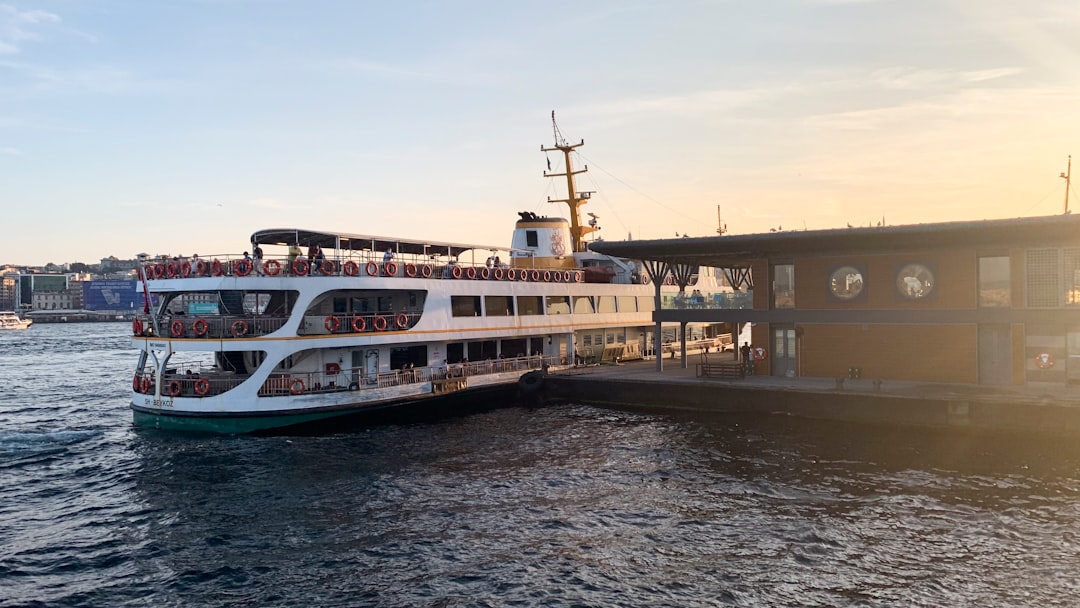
[552, 506]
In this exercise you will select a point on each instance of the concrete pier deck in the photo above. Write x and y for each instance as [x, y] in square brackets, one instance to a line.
[1049, 408]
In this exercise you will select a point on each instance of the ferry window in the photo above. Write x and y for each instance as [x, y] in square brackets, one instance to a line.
[530, 239]
[583, 305]
[610, 337]
[482, 351]
[536, 345]
[514, 348]
[846, 283]
[530, 305]
[646, 303]
[586, 340]
[1043, 278]
[1072, 276]
[359, 305]
[341, 305]
[915, 281]
[783, 285]
[995, 284]
[605, 304]
[499, 306]
[465, 306]
[558, 305]
[627, 304]
[455, 352]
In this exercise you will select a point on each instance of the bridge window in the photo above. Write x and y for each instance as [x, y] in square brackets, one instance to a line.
[530, 239]
[783, 285]
[627, 304]
[605, 304]
[558, 305]
[583, 305]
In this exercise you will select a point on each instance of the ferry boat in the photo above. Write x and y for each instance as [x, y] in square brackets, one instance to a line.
[10, 320]
[322, 324]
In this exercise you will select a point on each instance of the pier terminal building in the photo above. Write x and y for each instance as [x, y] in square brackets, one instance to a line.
[986, 302]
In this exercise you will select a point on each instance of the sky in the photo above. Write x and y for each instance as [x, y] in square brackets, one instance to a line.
[183, 126]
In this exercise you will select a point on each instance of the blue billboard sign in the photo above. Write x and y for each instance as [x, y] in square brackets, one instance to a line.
[112, 295]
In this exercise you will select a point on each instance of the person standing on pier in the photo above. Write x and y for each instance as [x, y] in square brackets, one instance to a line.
[747, 355]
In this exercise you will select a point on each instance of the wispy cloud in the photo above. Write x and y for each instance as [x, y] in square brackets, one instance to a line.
[8, 151]
[18, 26]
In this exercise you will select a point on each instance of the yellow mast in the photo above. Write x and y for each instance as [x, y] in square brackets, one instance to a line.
[574, 198]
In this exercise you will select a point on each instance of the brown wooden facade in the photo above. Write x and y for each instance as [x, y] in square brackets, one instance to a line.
[989, 302]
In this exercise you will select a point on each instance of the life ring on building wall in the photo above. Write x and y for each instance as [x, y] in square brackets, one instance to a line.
[327, 267]
[199, 327]
[202, 386]
[176, 328]
[425, 271]
[1044, 360]
[760, 353]
[358, 324]
[174, 388]
[239, 328]
[390, 268]
[351, 268]
[379, 323]
[272, 267]
[300, 267]
[410, 270]
[371, 268]
[137, 327]
[332, 323]
[296, 386]
[401, 320]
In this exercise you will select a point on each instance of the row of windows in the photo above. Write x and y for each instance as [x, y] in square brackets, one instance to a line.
[509, 306]
[1051, 279]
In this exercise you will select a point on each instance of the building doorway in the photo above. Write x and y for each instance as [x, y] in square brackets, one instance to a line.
[995, 354]
[783, 350]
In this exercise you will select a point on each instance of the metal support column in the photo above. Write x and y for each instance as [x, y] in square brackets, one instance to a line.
[657, 270]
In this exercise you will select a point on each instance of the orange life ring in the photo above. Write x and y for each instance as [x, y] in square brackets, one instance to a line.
[760, 354]
[238, 328]
[498, 274]
[327, 267]
[485, 273]
[534, 275]
[470, 273]
[174, 388]
[425, 271]
[579, 277]
[176, 328]
[371, 268]
[410, 270]
[215, 268]
[390, 268]
[332, 323]
[547, 276]
[172, 269]
[556, 276]
[242, 268]
[185, 269]
[296, 387]
[159, 270]
[401, 320]
[200, 268]
[456, 271]
[358, 324]
[272, 267]
[135, 383]
[566, 276]
[202, 386]
[199, 327]
[300, 267]
[379, 323]
[1044, 360]
[137, 326]
[351, 268]
[145, 385]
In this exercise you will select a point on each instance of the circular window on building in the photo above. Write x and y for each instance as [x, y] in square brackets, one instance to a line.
[915, 281]
[846, 282]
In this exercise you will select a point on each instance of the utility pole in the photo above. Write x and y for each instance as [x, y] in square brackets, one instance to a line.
[1067, 176]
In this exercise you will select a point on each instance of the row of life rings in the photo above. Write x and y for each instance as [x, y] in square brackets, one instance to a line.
[243, 268]
[199, 327]
[144, 384]
[379, 323]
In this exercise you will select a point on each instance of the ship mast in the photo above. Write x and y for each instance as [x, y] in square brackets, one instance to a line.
[574, 198]
[1067, 176]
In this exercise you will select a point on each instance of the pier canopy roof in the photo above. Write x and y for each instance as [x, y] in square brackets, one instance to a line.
[737, 251]
[362, 242]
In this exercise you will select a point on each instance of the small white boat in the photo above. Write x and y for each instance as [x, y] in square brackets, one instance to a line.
[10, 320]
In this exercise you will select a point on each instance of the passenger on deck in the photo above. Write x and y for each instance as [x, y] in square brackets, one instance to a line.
[257, 255]
[294, 252]
[388, 256]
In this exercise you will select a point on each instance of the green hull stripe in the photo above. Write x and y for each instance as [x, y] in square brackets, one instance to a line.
[229, 425]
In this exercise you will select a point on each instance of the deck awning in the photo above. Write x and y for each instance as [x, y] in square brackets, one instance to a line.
[367, 243]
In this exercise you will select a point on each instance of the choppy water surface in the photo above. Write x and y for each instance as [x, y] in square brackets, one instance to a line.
[565, 506]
